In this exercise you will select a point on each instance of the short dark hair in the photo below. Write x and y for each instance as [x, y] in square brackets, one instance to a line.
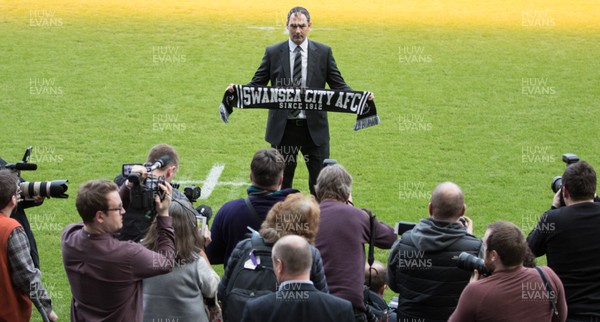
[508, 241]
[8, 187]
[447, 201]
[580, 180]
[294, 251]
[297, 11]
[333, 182]
[161, 150]
[93, 197]
[267, 167]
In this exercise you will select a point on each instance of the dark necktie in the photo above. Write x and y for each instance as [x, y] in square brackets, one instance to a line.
[297, 76]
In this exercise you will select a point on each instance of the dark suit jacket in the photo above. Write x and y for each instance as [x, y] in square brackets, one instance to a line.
[275, 68]
[298, 302]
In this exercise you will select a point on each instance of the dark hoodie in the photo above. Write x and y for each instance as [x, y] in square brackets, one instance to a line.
[422, 268]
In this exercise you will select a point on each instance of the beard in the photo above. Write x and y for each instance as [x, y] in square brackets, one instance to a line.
[487, 262]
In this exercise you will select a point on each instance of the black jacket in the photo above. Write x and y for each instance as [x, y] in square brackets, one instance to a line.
[298, 302]
[317, 272]
[568, 236]
[422, 268]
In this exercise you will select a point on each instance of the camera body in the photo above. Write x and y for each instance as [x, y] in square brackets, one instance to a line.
[470, 262]
[144, 193]
[568, 158]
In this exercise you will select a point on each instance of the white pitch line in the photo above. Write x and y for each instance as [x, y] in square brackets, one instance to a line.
[211, 180]
[220, 183]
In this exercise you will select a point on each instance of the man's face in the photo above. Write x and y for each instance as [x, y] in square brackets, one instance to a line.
[113, 216]
[487, 261]
[298, 27]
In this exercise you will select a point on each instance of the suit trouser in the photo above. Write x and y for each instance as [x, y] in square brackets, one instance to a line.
[296, 138]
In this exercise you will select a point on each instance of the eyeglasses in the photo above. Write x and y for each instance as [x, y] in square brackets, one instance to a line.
[114, 209]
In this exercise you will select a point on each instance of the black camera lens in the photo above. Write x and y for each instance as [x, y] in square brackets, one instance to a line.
[556, 184]
[470, 262]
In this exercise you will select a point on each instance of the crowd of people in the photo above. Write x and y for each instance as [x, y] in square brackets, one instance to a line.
[303, 257]
[289, 256]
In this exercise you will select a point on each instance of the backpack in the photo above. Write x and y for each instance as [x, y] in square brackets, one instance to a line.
[245, 283]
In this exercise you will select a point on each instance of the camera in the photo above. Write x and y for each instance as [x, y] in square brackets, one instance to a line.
[403, 226]
[192, 193]
[568, 158]
[470, 262]
[144, 193]
[45, 189]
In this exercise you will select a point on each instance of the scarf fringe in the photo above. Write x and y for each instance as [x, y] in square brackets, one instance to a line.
[366, 122]
[224, 114]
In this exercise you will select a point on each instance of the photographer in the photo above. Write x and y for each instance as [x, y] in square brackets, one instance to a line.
[422, 264]
[106, 274]
[20, 216]
[21, 280]
[343, 231]
[512, 292]
[568, 236]
[137, 219]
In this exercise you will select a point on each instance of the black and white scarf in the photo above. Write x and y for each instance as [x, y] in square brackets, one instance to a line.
[307, 99]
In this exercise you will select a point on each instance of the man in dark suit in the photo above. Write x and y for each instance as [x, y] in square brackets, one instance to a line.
[296, 299]
[299, 62]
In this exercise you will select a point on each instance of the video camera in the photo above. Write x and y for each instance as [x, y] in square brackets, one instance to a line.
[144, 193]
[45, 189]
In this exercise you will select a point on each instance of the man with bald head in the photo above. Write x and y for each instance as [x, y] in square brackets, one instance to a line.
[296, 299]
[422, 266]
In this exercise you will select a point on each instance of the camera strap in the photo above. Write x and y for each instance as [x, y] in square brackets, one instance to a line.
[371, 255]
[253, 211]
[551, 294]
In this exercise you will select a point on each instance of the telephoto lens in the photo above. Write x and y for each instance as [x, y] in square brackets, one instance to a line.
[469, 262]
